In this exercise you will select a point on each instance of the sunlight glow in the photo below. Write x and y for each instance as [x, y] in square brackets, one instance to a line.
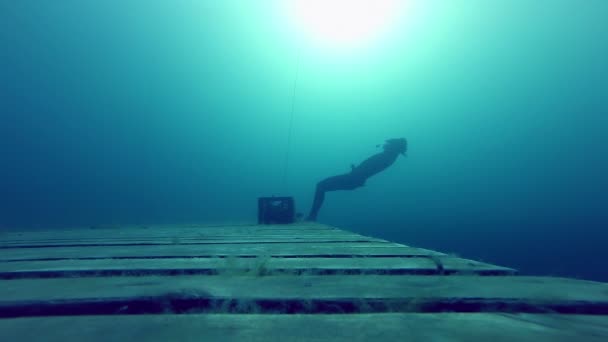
[344, 22]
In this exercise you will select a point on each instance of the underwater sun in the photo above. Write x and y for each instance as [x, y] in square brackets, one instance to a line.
[344, 22]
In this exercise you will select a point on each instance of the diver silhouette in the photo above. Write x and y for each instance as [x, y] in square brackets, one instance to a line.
[358, 175]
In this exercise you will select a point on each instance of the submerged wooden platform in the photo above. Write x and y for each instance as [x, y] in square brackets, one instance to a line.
[275, 283]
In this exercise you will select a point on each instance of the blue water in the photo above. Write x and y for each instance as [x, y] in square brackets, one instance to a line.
[146, 112]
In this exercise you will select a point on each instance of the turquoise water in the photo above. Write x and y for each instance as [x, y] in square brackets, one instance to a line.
[144, 112]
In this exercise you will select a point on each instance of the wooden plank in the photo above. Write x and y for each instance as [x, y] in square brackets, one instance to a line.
[447, 327]
[69, 235]
[159, 231]
[219, 263]
[71, 268]
[246, 225]
[367, 249]
[199, 235]
[308, 287]
[454, 265]
[185, 240]
[214, 266]
[180, 235]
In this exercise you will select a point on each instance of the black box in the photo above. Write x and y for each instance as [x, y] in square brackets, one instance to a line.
[276, 210]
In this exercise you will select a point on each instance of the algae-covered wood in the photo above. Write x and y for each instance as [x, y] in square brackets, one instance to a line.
[363, 249]
[294, 230]
[283, 282]
[216, 265]
[308, 287]
[445, 327]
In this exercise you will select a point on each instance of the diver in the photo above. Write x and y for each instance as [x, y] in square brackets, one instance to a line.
[358, 175]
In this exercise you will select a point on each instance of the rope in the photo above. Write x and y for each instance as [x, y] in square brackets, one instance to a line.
[289, 131]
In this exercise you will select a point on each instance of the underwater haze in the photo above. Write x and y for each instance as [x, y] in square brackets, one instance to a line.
[152, 112]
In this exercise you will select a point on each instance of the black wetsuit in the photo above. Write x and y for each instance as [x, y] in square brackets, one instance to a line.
[355, 179]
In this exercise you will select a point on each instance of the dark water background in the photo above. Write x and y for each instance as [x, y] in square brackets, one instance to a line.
[144, 112]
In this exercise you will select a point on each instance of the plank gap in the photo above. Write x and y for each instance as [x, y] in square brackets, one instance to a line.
[178, 303]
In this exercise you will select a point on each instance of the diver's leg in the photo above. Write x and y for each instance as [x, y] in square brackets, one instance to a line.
[340, 182]
[318, 201]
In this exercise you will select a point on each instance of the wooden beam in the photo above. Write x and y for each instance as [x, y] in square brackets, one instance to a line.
[449, 327]
[308, 287]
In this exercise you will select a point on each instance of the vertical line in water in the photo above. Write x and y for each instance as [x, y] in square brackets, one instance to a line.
[290, 129]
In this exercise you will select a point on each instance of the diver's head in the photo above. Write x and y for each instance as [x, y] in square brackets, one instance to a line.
[395, 145]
